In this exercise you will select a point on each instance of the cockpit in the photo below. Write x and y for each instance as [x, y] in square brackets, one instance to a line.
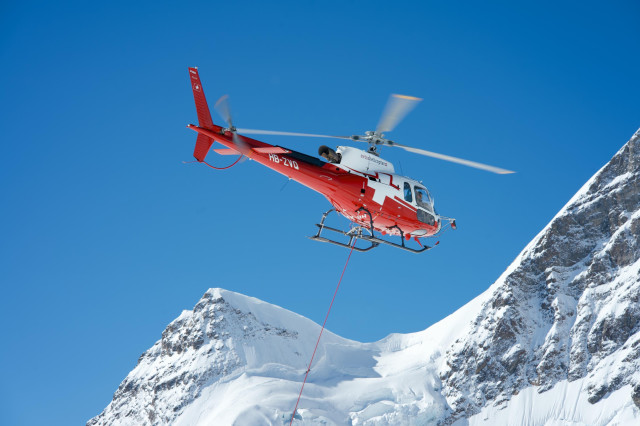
[423, 198]
[426, 213]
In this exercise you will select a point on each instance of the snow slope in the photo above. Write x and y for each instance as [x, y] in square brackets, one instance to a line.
[555, 340]
[237, 360]
[566, 404]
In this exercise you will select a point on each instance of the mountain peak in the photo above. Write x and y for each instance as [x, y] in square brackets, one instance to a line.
[566, 304]
[199, 347]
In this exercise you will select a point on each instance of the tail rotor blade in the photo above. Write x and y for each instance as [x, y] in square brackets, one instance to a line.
[240, 143]
[398, 106]
[222, 108]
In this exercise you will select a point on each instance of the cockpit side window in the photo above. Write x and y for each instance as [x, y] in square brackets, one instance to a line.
[407, 192]
[423, 198]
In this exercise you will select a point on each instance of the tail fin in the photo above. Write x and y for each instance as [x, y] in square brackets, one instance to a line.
[203, 143]
[204, 116]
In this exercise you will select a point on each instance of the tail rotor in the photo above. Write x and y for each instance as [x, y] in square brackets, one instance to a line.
[224, 110]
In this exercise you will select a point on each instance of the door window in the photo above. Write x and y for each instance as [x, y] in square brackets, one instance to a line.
[407, 193]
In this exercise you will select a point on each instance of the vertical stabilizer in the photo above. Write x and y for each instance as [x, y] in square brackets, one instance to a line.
[203, 143]
[204, 116]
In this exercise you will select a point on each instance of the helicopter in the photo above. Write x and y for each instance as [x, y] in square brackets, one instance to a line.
[360, 185]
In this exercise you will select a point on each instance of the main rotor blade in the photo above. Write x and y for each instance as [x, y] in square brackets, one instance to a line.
[455, 159]
[273, 132]
[222, 107]
[398, 106]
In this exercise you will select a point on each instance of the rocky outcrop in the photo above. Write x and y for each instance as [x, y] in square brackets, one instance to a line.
[566, 307]
[196, 349]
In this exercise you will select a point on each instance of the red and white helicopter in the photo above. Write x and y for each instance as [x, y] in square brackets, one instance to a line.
[359, 184]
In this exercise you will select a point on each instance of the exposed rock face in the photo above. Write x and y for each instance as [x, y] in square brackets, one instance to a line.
[568, 307]
[196, 349]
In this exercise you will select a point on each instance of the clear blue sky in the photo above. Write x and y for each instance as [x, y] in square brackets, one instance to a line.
[107, 236]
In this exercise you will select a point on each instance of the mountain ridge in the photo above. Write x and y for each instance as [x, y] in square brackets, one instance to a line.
[539, 304]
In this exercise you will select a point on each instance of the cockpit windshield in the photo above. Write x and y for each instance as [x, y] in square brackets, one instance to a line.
[423, 197]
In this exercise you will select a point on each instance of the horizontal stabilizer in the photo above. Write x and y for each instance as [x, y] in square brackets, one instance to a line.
[226, 151]
[271, 150]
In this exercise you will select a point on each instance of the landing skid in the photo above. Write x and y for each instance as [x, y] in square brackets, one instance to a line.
[360, 233]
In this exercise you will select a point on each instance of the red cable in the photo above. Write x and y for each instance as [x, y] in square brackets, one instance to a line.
[222, 168]
[323, 324]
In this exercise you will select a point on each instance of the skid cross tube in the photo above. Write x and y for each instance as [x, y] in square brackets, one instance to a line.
[362, 209]
[401, 234]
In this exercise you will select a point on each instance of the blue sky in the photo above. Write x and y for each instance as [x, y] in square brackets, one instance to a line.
[107, 236]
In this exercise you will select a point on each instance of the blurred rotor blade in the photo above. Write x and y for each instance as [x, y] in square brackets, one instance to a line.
[273, 132]
[455, 160]
[398, 106]
[222, 107]
[238, 140]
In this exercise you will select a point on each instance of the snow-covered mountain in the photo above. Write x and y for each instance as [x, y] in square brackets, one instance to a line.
[568, 308]
[555, 340]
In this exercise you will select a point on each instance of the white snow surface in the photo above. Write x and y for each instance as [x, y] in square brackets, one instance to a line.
[554, 341]
[394, 381]
[564, 405]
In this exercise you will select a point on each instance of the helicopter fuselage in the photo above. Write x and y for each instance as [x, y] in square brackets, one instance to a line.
[361, 186]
